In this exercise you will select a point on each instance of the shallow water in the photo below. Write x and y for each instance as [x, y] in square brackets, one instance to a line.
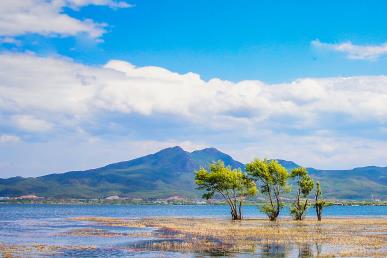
[29, 225]
[42, 211]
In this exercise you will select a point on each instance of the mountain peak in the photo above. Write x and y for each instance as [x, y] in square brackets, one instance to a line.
[208, 150]
[288, 164]
[176, 150]
[209, 155]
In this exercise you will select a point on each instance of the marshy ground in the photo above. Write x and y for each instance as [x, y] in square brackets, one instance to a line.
[330, 237]
[340, 237]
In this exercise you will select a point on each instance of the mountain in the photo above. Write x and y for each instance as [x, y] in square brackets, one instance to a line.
[353, 184]
[169, 172]
[165, 173]
[289, 165]
[358, 183]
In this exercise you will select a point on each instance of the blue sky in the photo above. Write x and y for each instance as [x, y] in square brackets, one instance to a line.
[263, 40]
[87, 82]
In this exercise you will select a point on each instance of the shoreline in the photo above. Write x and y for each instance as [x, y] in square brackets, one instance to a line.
[93, 202]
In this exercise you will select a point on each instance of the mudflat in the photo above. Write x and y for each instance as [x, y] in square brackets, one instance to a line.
[340, 237]
[330, 237]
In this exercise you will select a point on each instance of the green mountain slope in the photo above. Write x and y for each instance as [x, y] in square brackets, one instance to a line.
[170, 172]
[359, 183]
[354, 184]
[163, 174]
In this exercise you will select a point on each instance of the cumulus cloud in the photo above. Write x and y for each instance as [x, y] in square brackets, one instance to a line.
[10, 41]
[323, 120]
[352, 51]
[31, 123]
[60, 86]
[19, 17]
[6, 138]
[325, 151]
[81, 3]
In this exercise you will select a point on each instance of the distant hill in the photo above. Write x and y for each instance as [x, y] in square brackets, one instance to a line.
[165, 173]
[169, 172]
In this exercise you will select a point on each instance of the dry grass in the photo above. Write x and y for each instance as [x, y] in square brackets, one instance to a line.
[343, 237]
[36, 250]
[333, 236]
[87, 232]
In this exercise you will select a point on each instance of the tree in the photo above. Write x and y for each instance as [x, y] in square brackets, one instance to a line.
[305, 185]
[271, 178]
[319, 204]
[232, 184]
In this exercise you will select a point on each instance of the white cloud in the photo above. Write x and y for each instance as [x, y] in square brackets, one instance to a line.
[6, 138]
[81, 3]
[31, 123]
[352, 51]
[59, 86]
[315, 121]
[325, 151]
[18, 17]
[10, 40]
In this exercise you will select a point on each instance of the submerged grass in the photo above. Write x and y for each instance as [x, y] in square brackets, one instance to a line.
[87, 232]
[37, 250]
[331, 237]
[343, 237]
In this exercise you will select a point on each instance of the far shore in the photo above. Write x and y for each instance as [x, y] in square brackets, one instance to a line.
[173, 202]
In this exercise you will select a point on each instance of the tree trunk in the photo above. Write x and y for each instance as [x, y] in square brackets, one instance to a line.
[318, 207]
[302, 209]
[318, 211]
[235, 215]
[298, 214]
[240, 210]
[276, 214]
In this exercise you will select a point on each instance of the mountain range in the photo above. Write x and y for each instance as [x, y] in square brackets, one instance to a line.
[170, 172]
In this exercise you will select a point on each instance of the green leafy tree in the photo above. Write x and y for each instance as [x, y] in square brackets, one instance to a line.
[305, 185]
[319, 204]
[232, 184]
[271, 178]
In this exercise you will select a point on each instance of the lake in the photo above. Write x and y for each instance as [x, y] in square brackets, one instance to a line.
[38, 224]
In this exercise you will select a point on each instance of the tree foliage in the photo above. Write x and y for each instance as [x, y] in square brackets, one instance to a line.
[319, 203]
[232, 184]
[305, 185]
[271, 177]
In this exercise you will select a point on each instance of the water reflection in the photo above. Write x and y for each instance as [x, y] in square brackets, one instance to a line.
[318, 249]
[273, 250]
[305, 251]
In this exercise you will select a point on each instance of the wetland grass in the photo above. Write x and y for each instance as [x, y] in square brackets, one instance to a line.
[339, 237]
[331, 237]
